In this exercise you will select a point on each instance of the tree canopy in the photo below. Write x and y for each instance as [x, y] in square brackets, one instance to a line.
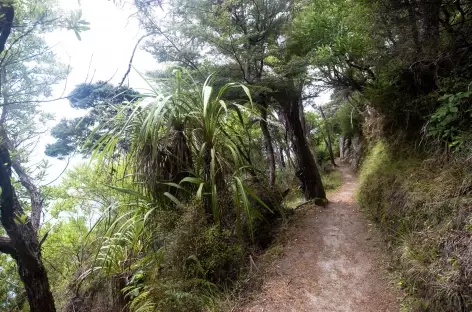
[101, 101]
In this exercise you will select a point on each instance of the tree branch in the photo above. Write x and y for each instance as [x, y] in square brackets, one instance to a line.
[131, 59]
[361, 68]
[310, 96]
[35, 195]
[6, 247]
[25, 179]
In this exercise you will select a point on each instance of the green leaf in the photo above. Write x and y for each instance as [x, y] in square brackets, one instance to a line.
[192, 180]
[200, 191]
[77, 34]
[453, 109]
[173, 199]
[127, 191]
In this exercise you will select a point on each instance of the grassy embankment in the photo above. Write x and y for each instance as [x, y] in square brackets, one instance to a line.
[424, 208]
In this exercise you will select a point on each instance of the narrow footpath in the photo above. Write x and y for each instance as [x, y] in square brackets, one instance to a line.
[332, 261]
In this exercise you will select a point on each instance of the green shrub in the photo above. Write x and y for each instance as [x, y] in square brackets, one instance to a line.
[451, 122]
[331, 180]
[199, 250]
[195, 263]
[321, 156]
[349, 120]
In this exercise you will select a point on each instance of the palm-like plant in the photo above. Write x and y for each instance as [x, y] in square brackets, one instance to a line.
[179, 152]
[180, 140]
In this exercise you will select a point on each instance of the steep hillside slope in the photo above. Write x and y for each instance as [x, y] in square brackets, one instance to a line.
[424, 207]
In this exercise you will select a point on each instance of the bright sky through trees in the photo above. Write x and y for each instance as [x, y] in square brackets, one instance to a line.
[102, 54]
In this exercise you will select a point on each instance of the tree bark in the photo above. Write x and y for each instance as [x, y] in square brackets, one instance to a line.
[431, 11]
[25, 247]
[7, 13]
[282, 158]
[22, 243]
[307, 171]
[207, 200]
[269, 147]
[118, 283]
[328, 137]
[413, 25]
[36, 283]
[302, 118]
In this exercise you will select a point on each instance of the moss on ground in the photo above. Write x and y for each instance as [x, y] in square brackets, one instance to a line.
[332, 180]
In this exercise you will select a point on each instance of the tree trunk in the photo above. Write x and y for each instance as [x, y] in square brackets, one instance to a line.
[282, 158]
[302, 118]
[289, 157]
[328, 136]
[22, 243]
[207, 200]
[269, 147]
[307, 172]
[26, 251]
[431, 11]
[36, 283]
[118, 283]
[414, 26]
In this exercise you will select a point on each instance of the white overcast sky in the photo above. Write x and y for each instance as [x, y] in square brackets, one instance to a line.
[103, 53]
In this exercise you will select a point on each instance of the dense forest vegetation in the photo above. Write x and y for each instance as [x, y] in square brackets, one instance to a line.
[184, 183]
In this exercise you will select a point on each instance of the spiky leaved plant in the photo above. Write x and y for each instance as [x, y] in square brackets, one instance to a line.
[179, 139]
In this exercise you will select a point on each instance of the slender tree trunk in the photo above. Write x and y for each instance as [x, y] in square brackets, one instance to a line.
[287, 148]
[282, 158]
[342, 139]
[118, 283]
[291, 163]
[269, 147]
[207, 200]
[328, 137]
[307, 172]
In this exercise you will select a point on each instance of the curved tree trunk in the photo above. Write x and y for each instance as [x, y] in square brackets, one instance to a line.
[22, 243]
[307, 172]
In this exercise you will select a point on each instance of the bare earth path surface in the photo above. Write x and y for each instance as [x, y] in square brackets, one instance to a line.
[332, 261]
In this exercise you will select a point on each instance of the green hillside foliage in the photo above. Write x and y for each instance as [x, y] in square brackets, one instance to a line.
[422, 204]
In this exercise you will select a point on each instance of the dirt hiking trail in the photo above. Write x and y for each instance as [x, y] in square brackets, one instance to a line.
[332, 261]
